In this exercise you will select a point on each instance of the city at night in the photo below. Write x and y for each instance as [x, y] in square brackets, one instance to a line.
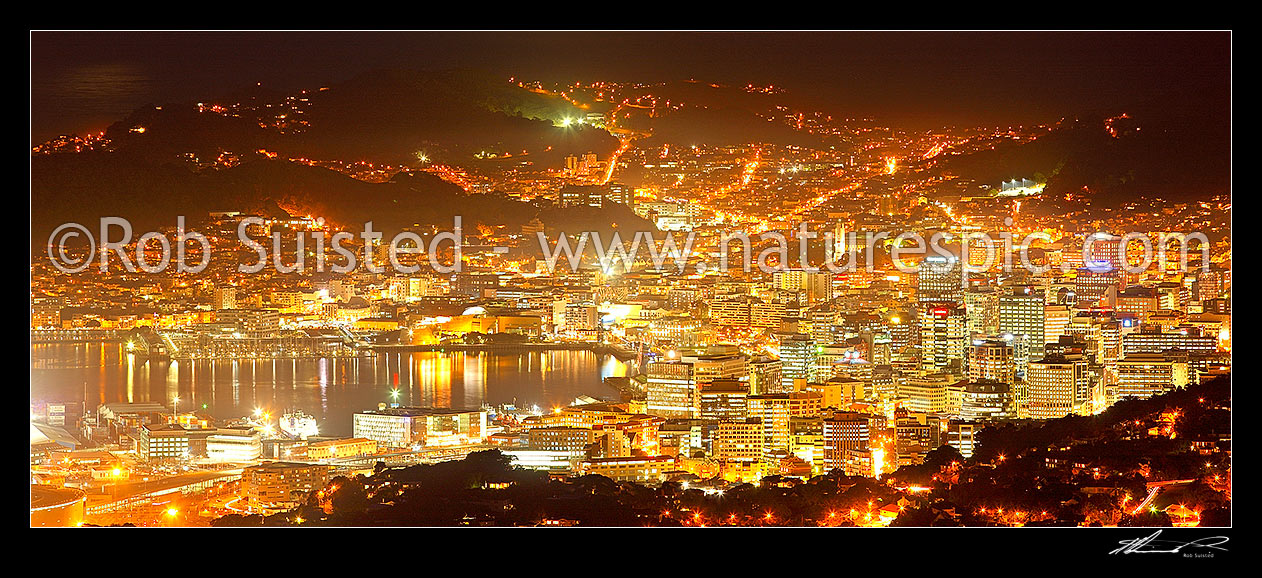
[618, 279]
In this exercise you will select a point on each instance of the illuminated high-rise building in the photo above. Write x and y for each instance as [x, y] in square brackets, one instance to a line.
[1138, 301]
[943, 338]
[739, 440]
[1210, 284]
[408, 427]
[718, 362]
[764, 376]
[930, 393]
[798, 357]
[915, 434]
[1096, 287]
[1021, 312]
[672, 390]
[845, 431]
[1102, 251]
[287, 484]
[982, 306]
[987, 401]
[903, 332]
[1143, 375]
[839, 242]
[773, 411]
[1154, 340]
[1055, 319]
[1058, 386]
[724, 400]
[939, 279]
[806, 441]
[991, 360]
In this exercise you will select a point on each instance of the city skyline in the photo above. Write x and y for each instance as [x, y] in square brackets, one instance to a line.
[822, 279]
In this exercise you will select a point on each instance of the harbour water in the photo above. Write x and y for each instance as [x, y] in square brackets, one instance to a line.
[328, 389]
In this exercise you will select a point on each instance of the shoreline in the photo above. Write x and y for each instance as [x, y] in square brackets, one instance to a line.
[621, 354]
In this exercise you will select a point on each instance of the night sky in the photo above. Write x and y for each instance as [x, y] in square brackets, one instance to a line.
[84, 81]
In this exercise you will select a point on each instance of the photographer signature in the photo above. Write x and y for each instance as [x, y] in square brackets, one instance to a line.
[1151, 545]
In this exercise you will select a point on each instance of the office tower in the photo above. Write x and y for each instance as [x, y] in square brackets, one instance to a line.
[844, 431]
[1096, 288]
[1138, 301]
[724, 400]
[1103, 252]
[671, 390]
[1210, 284]
[961, 435]
[798, 357]
[1021, 312]
[739, 440]
[930, 393]
[943, 337]
[883, 383]
[903, 332]
[1143, 375]
[409, 427]
[773, 411]
[991, 360]
[162, 442]
[839, 242]
[982, 306]
[806, 441]
[839, 392]
[988, 401]
[939, 279]
[879, 350]
[764, 375]
[283, 484]
[1154, 340]
[1058, 386]
[1055, 318]
[821, 324]
[718, 362]
[1171, 296]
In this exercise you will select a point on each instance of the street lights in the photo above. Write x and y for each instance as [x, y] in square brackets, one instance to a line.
[175, 402]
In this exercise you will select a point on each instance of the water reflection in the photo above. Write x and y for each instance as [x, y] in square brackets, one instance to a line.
[329, 389]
